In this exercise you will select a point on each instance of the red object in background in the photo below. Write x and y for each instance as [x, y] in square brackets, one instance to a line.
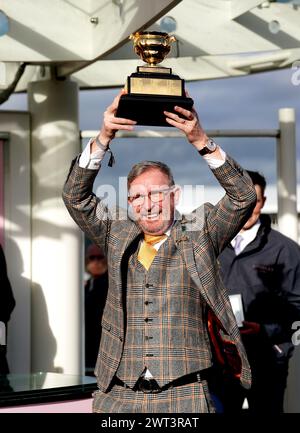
[225, 351]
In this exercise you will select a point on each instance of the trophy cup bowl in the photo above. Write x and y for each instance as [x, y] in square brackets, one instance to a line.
[152, 47]
[152, 89]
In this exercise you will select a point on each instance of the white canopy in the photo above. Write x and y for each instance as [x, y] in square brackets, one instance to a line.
[89, 39]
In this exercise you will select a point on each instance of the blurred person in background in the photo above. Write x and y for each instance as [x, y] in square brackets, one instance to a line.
[263, 266]
[95, 297]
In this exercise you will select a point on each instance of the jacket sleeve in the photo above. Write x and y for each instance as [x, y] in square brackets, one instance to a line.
[7, 300]
[87, 210]
[227, 217]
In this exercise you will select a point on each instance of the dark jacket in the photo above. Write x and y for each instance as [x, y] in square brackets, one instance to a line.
[94, 301]
[7, 304]
[267, 275]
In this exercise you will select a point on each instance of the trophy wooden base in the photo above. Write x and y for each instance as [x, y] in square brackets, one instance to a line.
[149, 109]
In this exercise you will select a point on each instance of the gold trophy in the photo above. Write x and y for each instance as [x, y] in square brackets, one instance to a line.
[152, 89]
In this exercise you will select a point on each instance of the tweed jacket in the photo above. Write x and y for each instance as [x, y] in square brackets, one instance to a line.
[212, 228]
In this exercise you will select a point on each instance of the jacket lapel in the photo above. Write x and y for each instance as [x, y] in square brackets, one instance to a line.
[185, 247]
[128, 235]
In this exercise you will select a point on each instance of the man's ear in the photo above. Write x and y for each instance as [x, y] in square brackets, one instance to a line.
[264, 201]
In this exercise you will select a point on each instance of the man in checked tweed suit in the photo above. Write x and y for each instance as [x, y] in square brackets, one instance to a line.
[155, 354]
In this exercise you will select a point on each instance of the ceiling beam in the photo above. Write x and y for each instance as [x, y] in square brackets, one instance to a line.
[238, 7]
[142, 19]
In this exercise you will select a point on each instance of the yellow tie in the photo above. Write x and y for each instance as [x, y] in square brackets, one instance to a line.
[147, 252]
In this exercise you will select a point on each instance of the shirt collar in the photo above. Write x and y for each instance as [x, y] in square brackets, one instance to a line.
[248, 235]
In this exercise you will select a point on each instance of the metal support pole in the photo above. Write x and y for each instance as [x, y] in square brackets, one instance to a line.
[57, 295]
[288, 224]
[286, 171]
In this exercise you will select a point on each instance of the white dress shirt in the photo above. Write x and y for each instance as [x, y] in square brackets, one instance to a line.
[248, 236]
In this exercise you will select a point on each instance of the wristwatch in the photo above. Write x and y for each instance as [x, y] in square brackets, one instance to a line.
[210, 147]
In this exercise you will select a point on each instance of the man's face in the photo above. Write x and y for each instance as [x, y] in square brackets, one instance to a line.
[153, 201]
[261, 199]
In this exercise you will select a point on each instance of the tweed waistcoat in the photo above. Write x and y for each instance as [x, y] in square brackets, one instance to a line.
[165, 331]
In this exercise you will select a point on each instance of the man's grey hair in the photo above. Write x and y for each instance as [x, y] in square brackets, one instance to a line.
[142, 167]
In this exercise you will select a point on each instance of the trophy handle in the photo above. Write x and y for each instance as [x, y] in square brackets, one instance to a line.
[172, 39]
[134, 36]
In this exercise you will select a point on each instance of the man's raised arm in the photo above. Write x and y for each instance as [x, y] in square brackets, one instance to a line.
[87, 210]
[226, 218]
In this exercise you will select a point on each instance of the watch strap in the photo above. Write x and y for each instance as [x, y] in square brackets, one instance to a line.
[205, 150]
